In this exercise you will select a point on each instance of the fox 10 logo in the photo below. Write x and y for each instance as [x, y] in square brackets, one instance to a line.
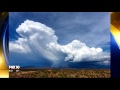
[13, 68]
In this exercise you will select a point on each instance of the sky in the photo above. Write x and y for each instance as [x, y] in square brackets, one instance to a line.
[59, 39]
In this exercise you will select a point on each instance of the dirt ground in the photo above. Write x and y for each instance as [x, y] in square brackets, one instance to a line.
[62, 73]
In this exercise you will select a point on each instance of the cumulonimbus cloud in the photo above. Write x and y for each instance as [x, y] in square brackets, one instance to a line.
[39, 40]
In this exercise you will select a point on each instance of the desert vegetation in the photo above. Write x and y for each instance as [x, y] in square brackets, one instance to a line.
[62, 73]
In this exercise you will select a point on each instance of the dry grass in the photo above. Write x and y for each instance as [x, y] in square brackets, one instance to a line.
[62, 73]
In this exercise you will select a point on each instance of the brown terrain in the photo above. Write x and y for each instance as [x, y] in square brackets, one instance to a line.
[62, 73]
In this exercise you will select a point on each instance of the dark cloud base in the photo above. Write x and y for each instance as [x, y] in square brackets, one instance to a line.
[87, 65]
[78, 65]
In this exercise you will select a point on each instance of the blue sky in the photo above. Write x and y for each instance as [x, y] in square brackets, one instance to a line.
[69, 31]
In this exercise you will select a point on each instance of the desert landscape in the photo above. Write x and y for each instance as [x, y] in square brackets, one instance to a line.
[62, 73]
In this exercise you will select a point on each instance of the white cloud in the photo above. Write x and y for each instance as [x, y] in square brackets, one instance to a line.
[35, 36]
[77, 51]
[40, 40]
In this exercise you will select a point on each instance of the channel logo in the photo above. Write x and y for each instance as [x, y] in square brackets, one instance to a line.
[115, 27]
